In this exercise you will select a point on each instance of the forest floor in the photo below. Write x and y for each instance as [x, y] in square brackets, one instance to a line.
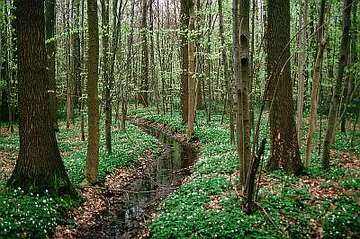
[317, 204]
[36, 216]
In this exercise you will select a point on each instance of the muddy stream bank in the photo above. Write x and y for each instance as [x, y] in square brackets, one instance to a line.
[130, 198]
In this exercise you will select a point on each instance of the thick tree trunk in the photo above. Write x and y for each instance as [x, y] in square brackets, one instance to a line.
[284, 144]
[92, 159]
[50, 20]
[335, 101]
[39, 166]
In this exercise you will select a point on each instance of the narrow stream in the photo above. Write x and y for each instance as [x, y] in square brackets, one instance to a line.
[161, 178]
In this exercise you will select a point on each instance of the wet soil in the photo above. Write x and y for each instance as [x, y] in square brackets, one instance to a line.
[121, 208]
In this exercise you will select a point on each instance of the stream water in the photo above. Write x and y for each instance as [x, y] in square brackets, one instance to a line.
[162, 177]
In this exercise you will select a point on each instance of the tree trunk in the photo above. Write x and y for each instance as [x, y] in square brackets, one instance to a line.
[237, 81]
[92, 158]
[348, 89]
[228, 82]
[39, 166]
[192, 82]
[186, 5]
[76, 56]
[284, 144]
[315, 85]
[50, 20]
[144, 95]
[69, 77]
[335, 101]
[302, 68]
[241, 40]
[106, 76]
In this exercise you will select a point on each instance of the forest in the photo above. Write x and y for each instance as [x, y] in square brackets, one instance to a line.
[179, 119]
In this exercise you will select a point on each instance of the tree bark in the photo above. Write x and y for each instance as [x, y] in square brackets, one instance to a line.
[92, 158]
[228, 82]
[192, 81]
[144, 94]
[106, 76]
[335, 101]
[76, 55]
[349, 84]
[186, 5]
[39, 166]
[284, 144]
[50, 21]
[302, 68]
[315, 85]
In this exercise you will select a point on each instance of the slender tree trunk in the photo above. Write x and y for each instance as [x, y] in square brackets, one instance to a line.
[192, 82]
[335, 101]
[316, 85]
[76, 56]
[241, 40]
[124, 97]
[230, 104]
[92, 159]
[144, 96]
[106, 76]
[284, 144]
[39, 166]
[302, 68]
[237, 81]
[69, 76]
[186, 5]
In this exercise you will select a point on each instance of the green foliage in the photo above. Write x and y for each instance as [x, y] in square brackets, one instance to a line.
[9, 143]
[344, 220]
[128, 147]
[207, 206]
[34, 216]
[31, 216]
[343, 141]
[353, 183]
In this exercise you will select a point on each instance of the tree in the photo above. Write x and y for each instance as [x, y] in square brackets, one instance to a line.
[186, 5]
[241, 61]
[106, 75]
[227, 76]
[92, 158]
[50, 21]
[144, 97]
[284, 144]
[335, 101]
[316, 84]
[302, 67]
[192, 81]
[39, 166]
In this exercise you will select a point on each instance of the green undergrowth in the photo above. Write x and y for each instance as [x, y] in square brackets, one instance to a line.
[35, 216]
[207, 206]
